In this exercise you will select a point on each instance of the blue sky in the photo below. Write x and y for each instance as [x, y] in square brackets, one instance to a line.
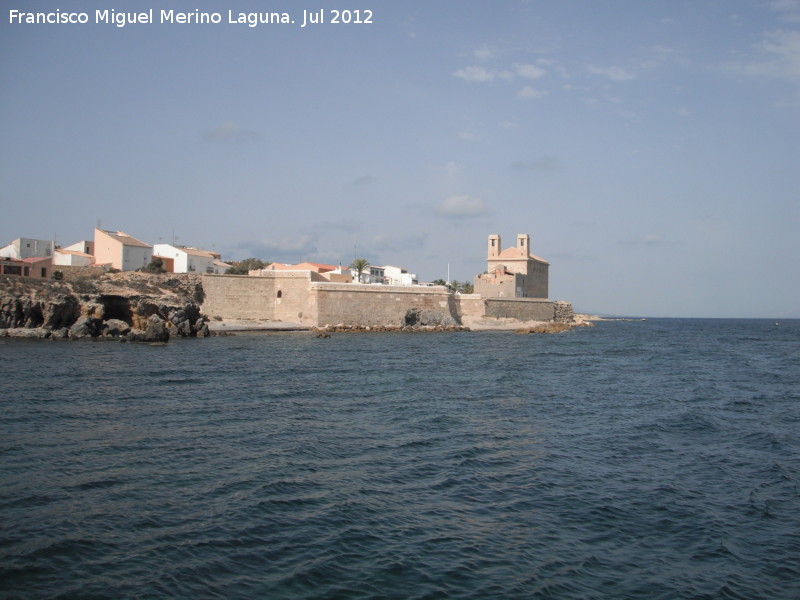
[651, 149]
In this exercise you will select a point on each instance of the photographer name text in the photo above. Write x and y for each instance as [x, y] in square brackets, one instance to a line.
[322, 16]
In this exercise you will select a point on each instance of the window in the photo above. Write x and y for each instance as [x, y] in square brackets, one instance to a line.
[280, 294]
[44, 272]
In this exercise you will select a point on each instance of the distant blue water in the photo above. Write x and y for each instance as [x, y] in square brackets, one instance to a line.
[656, 459]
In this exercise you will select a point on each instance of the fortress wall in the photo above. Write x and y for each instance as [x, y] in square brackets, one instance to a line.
[299, 297]
[356, 304]
[276, 296]
[238, 297]
[292, 298]
[522, 309]
[470, 305]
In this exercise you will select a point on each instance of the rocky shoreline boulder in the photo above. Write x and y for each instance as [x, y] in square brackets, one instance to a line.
[417, 317]
[123, 306]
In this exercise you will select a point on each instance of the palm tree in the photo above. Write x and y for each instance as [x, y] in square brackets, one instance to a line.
[359, 265]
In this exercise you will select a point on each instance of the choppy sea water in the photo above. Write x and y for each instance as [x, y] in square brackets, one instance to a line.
[656, 459]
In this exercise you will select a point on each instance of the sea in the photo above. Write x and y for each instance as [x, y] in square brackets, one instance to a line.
[631, 460]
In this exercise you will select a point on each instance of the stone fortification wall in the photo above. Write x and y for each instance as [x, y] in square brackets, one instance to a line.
[272, 296]
[358, 304]
[522, 309]
[470, 305]
[306, 298]
[238, 297]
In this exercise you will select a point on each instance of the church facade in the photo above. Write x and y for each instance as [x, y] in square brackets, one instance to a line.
[513, 272]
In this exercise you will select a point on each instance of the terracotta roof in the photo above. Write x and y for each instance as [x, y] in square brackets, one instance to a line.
[196, 252]
[317, 266]
[35, 259]
[126, 239]
[73, 252]
[304, 266]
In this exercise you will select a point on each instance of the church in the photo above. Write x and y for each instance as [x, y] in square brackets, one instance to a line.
[513, 272]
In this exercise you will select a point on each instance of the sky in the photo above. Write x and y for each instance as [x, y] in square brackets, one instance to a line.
[650, 149]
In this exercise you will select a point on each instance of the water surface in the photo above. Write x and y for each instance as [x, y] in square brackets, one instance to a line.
[656, 459]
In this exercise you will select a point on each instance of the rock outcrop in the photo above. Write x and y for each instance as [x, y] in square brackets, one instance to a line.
[129, 306]
[427, 318]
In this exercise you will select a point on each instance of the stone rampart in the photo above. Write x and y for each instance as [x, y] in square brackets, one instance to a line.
[300, 297]
[361, 304]
[239, 297]
[470, 305]
[522, 309]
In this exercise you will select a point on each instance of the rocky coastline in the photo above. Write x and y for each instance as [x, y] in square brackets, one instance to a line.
[153, 308]
[131, 307]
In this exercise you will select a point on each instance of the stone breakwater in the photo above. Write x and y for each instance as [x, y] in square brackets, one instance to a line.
[135, 307]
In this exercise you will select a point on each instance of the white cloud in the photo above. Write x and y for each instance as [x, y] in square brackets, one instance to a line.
[530, 71]
[473, 73]
[529, 92]
[462, 206]
[788, 9]
[778, 56]
[481, 74]
[784, 48]
[612, 73]
[453, 169]
[231, 131]
[469, 136]
[484, 52]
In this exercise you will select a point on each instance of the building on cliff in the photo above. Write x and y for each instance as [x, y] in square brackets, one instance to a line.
[27, 248]
[185, 259]
[33, 266]
[120, 250]
[79, 254]
[513, 272]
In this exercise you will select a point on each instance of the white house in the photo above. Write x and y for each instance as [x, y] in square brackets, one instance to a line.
[220, 267]
[371, 274]
[189, 260]
[27, 248]
[399, 276]
[120, 250]
[79, 254]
